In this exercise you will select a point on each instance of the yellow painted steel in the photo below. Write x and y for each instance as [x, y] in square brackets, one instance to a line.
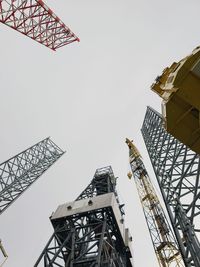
[179, 87]
[166, 250]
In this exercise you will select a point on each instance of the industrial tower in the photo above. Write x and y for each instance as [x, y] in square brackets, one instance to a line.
[164, 242]
[178, 86]
[36, 20]
[20, 171]
[90, 232]
[177, 169]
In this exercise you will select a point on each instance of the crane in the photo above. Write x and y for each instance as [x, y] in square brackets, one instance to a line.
[163, 239]
[36, 20]
[178, 86]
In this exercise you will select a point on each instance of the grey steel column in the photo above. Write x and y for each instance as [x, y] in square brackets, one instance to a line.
[177, 171]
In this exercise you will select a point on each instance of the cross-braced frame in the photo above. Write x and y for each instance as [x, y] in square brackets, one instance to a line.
[89, 232]
[85, 240]
[20, 171]
[177, 170]
[103, 182]
[34, 19]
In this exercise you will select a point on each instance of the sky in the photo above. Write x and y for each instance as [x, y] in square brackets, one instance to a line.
[88, 97]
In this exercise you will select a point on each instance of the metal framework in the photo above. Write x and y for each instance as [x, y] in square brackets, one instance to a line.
[177, 170]
[20, 171]
[34, 19]
[87, 231]
[103, 182]
[163, 239]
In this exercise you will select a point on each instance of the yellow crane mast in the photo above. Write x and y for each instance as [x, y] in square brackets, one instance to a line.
[163, 239]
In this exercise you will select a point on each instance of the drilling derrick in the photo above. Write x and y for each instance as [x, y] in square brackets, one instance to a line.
[20, 171]
[34, 19]
[164, 242]
[89, 232]
[177, 169]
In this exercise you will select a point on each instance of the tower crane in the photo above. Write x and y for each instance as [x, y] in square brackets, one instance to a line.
[163, 239]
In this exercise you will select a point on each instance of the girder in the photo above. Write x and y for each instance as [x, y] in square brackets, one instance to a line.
[36, 20]
[177, 171]
[20, 171]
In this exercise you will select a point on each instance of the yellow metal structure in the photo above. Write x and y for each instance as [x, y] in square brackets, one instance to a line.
[179, 87]
[163, 239]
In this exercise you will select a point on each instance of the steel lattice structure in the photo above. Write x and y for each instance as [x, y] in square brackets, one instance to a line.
[177, 170]
[163, 239]
[88, 231]
[20, 171]
[103, 182]
[34, 19]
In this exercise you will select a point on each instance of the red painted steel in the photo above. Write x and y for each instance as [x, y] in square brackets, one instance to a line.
[36, 20]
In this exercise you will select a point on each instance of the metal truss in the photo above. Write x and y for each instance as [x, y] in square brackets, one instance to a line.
[89, 238]
[85, 240]
[177, 170]
[164, 242]
[34, 19]
[19, 172]
[103, 182]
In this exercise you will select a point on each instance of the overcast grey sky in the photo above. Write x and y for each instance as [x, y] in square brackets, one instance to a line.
[88, 97]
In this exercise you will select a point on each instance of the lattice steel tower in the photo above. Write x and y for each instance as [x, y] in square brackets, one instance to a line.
[177, 170]
[20, 171]
[90, 232]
